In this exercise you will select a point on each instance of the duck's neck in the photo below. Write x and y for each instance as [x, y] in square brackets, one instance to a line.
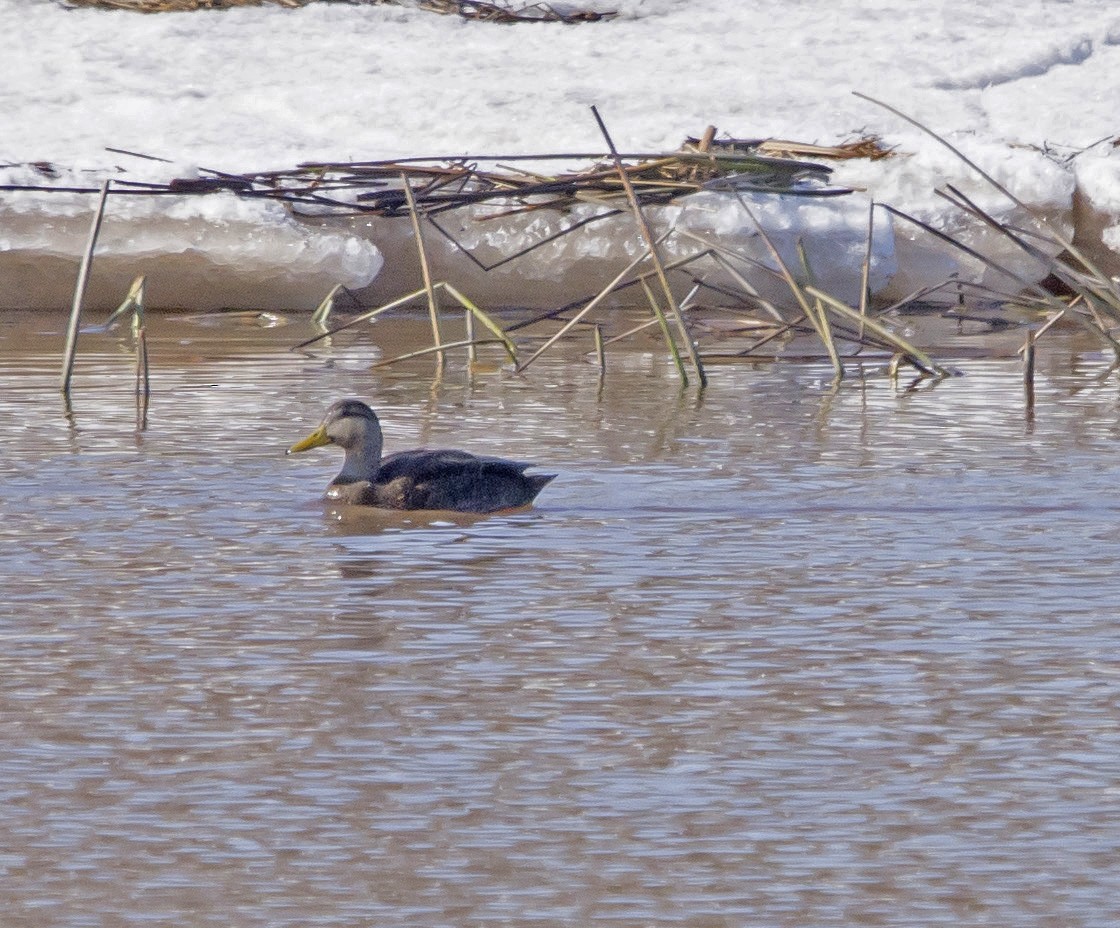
[362, 461]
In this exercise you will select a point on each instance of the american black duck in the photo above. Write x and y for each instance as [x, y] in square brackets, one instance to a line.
[421, 479]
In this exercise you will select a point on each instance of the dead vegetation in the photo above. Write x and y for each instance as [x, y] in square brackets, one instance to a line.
[521, 182]
[701, 297]
[724, 322]
[490, 11]
[750, 327]
[179, 6]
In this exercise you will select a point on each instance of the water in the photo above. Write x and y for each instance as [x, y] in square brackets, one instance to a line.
[780, 654]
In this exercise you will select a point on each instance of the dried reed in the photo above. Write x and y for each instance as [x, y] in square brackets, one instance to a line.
[80, 287]
[1097, 308]
[491, 11]
[425, 270]
[659, 267]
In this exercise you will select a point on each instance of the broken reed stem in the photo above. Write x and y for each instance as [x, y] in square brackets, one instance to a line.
[651, 244]
[1043, 329]
[481, 265]
[432, 349]
[777, 333]
[865, 275]
[640, 327]
[1099, 285]
[490, 324]
[956, 151]
[1052, 320]
[1060, 239]
[433, 307]
[600, 354]
[917, 358]
[723, 257]
[894, 365]
[1090, 294]
[143, 384]
[132, 303]
[818, 317]
[819, 322]
[1023, 282]
[1099, 292]
[468, 320]
[663, 324]
[323, 311]
[558, 311]
[602, 295]
[484, 318]
[349, 323]
[733, 272]
[80, 292]
[1028, 362]
[1034, 214]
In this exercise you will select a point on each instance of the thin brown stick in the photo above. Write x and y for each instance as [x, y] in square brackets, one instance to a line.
[663, 323]
[433, 306]
[468, 320]
[777, 333]
[865, 274]
[599, 353]
[350, 323]
[80, 292]
[602, 295]
[640, 327]
[432, 349]
[651, 244]
[143, 384]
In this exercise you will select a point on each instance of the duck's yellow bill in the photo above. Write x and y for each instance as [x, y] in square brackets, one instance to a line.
[316, 439]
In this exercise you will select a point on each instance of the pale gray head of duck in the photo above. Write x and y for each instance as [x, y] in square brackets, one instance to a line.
[354, 427]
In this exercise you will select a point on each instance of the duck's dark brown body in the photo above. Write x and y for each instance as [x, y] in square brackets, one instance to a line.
[452, 480]
[423, 479]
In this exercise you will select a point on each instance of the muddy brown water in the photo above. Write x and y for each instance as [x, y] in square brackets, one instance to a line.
[777, 654]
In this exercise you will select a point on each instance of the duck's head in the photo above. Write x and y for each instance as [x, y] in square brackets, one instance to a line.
[354, 427]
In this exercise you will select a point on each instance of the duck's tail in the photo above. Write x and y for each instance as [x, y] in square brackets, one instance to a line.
[538, 482]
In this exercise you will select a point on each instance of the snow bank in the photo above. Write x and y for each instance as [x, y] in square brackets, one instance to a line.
[199, 252]
[1022, 86]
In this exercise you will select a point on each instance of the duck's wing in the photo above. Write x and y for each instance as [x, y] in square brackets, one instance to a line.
[454, 480]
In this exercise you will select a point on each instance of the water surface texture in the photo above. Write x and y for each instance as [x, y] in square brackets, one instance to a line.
[777, 654]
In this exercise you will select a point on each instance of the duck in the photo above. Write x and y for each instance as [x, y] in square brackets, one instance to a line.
[441, 479]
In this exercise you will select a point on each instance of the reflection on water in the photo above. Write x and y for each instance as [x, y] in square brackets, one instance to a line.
[780, 654]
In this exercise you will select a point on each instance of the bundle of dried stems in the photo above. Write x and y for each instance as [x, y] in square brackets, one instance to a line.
[493, 11]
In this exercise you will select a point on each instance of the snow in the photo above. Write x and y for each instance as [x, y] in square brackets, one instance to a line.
[1026, 88]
